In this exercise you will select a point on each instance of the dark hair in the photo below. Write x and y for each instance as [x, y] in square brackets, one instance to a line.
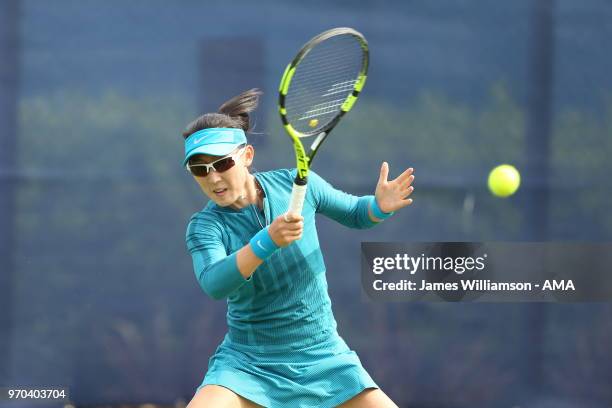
[232, 114]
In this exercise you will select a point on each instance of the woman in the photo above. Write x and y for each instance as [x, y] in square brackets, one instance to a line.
[282, 348]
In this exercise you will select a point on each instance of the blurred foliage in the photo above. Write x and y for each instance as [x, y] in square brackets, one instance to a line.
[103, 208]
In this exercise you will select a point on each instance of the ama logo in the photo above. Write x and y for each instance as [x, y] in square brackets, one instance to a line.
[558, 285]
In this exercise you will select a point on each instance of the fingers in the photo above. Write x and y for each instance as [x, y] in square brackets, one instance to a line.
[290, 222]
[406, 203]
[404, 185]
[293, 235]
[290, 236]
[406, 192]
[402, 203]
[384, 173]
[406, 176]
[287, 228]
[292, 217]
[294, 226]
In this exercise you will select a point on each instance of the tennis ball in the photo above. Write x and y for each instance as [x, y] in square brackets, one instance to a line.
[313, 122]
[504, 180]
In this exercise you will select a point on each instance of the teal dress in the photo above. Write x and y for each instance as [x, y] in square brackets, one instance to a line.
[282, 348]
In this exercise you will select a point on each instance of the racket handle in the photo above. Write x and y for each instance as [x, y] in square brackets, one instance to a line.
[297, 198]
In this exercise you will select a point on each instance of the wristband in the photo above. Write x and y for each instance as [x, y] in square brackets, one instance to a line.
[377, 212]
[262, 244]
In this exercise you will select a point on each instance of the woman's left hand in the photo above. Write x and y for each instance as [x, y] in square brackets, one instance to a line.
[393, 195]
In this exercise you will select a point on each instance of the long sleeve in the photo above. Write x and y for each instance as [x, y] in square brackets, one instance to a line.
[347, 209]
[216, 271]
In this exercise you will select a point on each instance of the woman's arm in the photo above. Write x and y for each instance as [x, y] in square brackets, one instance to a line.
[360, 212]
[347, 209]
[220, 274]
[282, 232]
[217, 272]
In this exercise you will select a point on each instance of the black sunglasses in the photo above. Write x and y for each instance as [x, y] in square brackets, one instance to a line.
[221, 165]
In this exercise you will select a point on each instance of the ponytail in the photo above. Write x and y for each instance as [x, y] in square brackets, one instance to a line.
[239, 107]
[232, 114]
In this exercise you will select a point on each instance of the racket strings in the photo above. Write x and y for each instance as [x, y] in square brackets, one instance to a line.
[322, 109]
[342, 87]
[326, 65]
[327, 74]
[323, 80]
[305, 105]
[327, 70]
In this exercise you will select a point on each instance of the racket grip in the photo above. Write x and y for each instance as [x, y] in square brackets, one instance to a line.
[297, 199]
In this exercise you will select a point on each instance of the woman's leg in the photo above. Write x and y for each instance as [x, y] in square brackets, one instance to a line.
[219, 397]
[370, 398]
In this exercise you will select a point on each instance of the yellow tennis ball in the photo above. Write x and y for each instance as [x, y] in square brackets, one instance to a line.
[313, 122]
[504, 180]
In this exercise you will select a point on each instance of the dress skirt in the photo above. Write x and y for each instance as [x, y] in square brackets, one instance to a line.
[321, 375]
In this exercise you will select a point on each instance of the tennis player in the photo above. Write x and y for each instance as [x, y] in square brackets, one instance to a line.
[282, 348]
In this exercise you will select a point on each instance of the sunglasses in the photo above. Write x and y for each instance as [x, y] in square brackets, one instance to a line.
[221, 165]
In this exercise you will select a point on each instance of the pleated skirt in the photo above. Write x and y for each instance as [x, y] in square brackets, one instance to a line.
[320, 375]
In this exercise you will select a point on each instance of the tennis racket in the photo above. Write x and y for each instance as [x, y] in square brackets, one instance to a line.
[319, 86]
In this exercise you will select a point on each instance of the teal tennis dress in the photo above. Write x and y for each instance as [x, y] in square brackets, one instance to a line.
[282, 348]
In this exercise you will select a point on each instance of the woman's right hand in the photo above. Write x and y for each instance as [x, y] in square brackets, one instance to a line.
[286, 228]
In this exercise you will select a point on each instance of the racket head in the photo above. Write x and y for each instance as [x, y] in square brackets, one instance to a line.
[323, 82]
